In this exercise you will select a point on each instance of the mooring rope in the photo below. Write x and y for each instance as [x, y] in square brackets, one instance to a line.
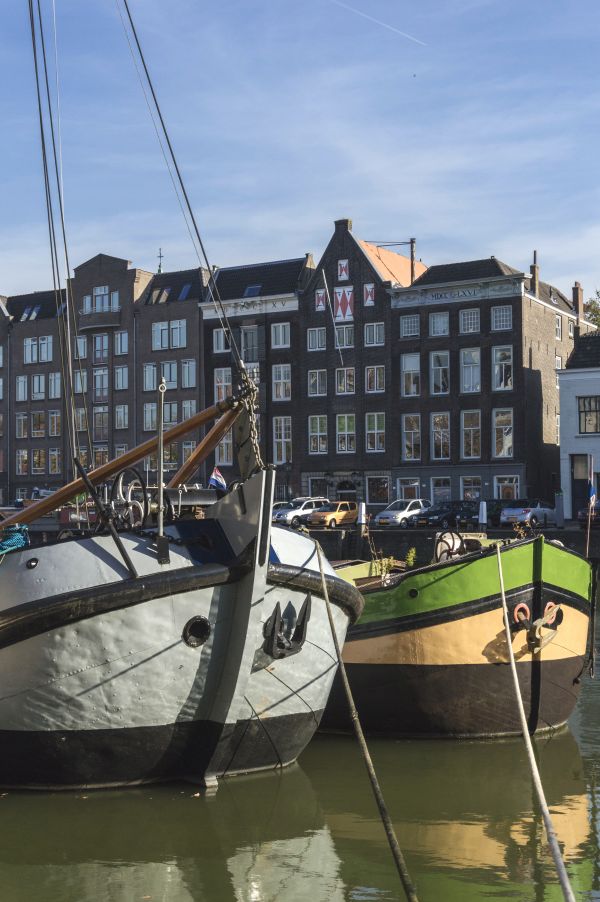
[407, 883]
[550, 831]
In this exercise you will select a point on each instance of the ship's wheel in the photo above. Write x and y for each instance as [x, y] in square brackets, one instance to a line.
[129, 498]
[449, 544]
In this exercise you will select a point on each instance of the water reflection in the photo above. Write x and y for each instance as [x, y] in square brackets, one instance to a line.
[465, 815]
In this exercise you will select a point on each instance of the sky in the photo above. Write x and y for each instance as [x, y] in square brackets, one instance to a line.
[471, 125]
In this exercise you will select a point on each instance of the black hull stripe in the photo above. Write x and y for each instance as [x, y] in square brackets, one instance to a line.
[129, 756]
[33, 618]
[343, 594]
[460, 611]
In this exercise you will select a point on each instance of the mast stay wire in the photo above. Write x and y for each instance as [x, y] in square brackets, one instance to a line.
[211, 277]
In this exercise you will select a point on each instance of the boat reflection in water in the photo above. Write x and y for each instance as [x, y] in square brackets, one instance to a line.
[260, 837]
[465, 814]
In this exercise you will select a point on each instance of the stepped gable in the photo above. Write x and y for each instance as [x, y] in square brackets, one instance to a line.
[260, 279]
[586, 353]
[37, 305]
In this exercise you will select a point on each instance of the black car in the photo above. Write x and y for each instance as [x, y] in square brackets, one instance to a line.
[450, 515]
[582, 516]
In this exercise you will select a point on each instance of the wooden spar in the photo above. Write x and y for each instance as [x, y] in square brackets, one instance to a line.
[204, 447]
[76, 486]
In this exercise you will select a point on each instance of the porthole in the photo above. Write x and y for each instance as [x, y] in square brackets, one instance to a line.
[196, 632]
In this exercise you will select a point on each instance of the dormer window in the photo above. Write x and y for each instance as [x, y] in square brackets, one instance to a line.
[252, 291]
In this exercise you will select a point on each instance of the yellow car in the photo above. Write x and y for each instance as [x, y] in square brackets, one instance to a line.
[336, 513]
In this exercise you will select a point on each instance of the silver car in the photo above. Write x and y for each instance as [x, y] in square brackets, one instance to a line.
[399, 513]
[531, 512]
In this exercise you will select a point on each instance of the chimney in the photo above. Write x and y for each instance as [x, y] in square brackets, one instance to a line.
[535, 276]
[343, 225]
[578, 300]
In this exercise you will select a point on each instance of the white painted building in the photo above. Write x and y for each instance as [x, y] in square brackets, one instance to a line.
[579, 427]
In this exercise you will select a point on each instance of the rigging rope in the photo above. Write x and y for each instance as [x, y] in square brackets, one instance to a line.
[407, 884]
[550, 831]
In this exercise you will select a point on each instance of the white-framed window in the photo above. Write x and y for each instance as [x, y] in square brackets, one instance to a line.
[121, 416]
[501, 318]
[280, 335]
[160, 336]
[38, 424]
[38, 387]
[317, 434]
[502, 432]
[150, 416]
[54, 423]
[345, 430]
[21, 388]
[440, 436]
[249, 342]
[409, 488]
[188, 409]
[317, 383]
[222, 382]
[219, 341]
[470, 488]
[38, 460]
[100, 383]
[411, 375]
[316, 339]
[375, 432]
[80, 381]
[54, 461]
[411, 437]
[101, 300]
[344, 336]
[557, 429]
[21, 425]
[187, 448]
[282, 440]
[121, 378]
[282, 382]
[86, 304]
[188, 373]
[374, 335]
[558, 327]
[22, 463]
[439, 364]
[224, 451]
[120, 450]
[100, 348]
[571, 329]
[410, 325]
[439, 323]
[100, 423]
[80, 419]
[378, 489]
[37, 350]
[121, 345]
[168, 372]
[178, 333]
[470, 370]
[344, 380]
[507, 487]
[502, 368]
[470, 434]
[30, 350]
[557, 367]
[149, 377]
[54, 385]
[441, 489]
[469, 321]
[81, 347]
[374, 379]
[114, 301]
[100, 453]
[170, 414]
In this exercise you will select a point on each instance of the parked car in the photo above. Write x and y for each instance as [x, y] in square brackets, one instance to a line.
[399, 513]
[494, 508]
[528, 513]
[290, 513]
[304, 518]
[582, 516]
[451, 515]
[336, 513]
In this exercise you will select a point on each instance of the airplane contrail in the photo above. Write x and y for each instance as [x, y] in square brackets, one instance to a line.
[378, 22]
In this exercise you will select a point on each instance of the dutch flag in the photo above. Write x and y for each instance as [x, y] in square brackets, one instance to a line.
[216, 480]
[591, 482]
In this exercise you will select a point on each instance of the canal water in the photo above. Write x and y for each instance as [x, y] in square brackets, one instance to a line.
[464, 813]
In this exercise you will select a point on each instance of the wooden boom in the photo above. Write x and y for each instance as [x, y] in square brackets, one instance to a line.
[76, 486]
[204, 447]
